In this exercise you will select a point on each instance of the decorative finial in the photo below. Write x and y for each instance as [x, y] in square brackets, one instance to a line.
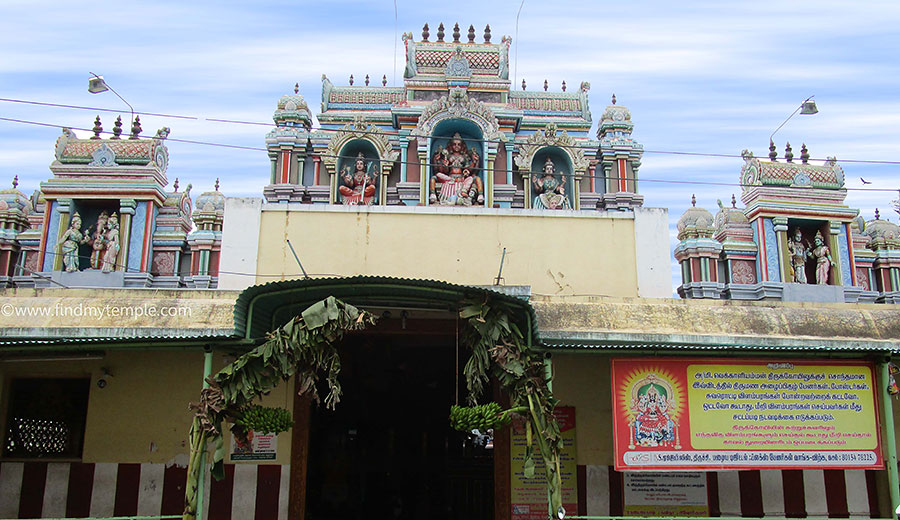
[217, 184]
[613, 99]
[487, 33]
[441, 32]
[296, 88]
[546, 85]
[804, 154]
[97, 128]
[456, 33]
[733, 201]
[425, 33]
[136, 128]
[15, 182]
[773, 155]
[367, 80]
[351, 80]
[175, 185]
[693, 200]
[788, 154]
[877, 215]
[384, 80]
[117, 128]
[523, 83]
[564, 85]
[471, 34]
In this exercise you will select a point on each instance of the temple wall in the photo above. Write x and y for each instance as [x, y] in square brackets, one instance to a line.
[583, 381]
[553, 252]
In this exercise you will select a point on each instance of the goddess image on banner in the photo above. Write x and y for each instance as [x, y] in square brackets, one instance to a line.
[707, 413]
[653, 400]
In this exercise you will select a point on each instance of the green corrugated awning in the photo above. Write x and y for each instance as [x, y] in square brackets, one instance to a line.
[262, 308]
[639, 347]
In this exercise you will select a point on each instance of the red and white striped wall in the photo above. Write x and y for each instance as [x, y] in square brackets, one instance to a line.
[57, 490]
[770, 493]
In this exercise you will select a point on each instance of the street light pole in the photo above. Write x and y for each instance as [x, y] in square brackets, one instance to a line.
[97, 84]
[808, 107]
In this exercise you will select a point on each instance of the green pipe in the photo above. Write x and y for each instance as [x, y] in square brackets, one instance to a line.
[201, 483]
[671, 518]
[890, 440]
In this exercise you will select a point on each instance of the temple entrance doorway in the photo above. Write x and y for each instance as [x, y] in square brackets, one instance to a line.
[387, 451]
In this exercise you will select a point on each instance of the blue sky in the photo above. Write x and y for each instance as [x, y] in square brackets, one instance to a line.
[708, 77]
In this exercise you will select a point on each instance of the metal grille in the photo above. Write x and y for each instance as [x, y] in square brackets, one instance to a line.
[46, 418]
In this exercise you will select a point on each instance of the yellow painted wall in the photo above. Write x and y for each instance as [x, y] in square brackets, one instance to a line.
[142, 415]
[583, 381]
[587, 254]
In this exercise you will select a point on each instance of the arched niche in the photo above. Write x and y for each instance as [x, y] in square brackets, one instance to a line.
[444, 142]
[346, 162]
[564, 171]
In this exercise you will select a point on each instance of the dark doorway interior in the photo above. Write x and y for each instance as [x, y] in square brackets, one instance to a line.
[388, 452]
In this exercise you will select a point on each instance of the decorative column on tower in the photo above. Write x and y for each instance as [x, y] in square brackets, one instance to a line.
[737, 262]
[206, 240]
[286, 145]
[697, 253]
[619, 157]
[15, 209]
[170, 246]
[884, 241]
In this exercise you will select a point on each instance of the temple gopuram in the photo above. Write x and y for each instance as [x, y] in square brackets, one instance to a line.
[794, 239]
[457, 133]
[107, 219]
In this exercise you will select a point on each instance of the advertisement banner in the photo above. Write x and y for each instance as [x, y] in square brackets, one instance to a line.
[690, 414]
[529, 495]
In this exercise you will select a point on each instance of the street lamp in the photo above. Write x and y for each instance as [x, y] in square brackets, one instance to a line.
[807, 108]
[96, 85]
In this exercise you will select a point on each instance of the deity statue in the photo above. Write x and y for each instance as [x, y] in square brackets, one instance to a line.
[823, 259]
[357, 187]
[98, 240]
[799, 253]
[69, 242]
[550, 190]
[111, 251]
[456, 169]
[652, 426]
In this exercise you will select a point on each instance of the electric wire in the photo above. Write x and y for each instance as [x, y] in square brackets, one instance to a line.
[317, 130]
[506, 171]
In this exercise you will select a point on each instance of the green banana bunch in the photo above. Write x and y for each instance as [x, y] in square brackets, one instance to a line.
[266, 420]
[482, 417]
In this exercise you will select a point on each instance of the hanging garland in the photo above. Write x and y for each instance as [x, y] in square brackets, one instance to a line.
[303, 346]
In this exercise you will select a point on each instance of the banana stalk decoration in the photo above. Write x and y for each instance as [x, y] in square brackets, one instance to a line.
[305, 347]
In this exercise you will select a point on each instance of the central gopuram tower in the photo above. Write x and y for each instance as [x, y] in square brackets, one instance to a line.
[457, 132]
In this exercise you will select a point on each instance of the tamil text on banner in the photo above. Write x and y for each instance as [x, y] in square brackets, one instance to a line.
[262, 446]
[665, 494]
[529, 495]
[672, 414]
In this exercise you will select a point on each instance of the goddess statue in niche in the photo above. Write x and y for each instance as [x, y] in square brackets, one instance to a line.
[456, 169]
[69, 242]
[823, 259]
[799, 253]
[98, 240]
[358, 186]
[550, 190]
[111, 249]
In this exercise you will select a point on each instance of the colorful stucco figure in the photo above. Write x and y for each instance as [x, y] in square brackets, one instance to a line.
[358, 186]
[550, 189]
